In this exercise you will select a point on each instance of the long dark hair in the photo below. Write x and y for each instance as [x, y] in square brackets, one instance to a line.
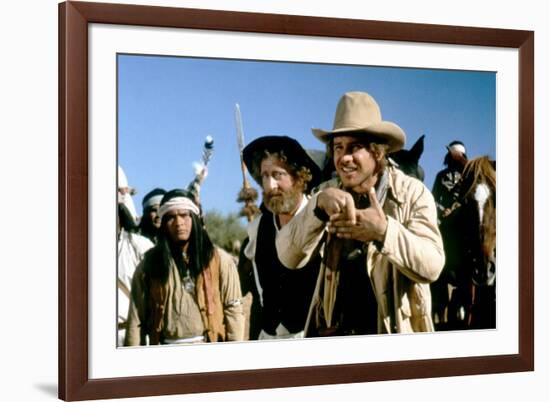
[200, 249]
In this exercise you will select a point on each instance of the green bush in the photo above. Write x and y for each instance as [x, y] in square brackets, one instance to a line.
[227, 231]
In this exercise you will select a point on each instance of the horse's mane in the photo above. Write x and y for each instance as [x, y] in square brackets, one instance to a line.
[479, 170]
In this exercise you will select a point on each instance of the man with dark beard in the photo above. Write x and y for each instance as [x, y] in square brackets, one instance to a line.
[285, 171]
[150, 221]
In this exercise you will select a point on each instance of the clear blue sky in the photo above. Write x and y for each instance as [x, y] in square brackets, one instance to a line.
[168, 105]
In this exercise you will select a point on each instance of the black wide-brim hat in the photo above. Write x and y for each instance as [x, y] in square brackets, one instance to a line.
[291, 148]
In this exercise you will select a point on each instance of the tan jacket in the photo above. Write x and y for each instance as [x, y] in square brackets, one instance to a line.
[411, 257]
[178, 307]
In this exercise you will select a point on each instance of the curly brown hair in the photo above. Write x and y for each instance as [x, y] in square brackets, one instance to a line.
[298, 172]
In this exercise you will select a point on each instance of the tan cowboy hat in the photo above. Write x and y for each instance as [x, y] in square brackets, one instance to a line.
[358, 112]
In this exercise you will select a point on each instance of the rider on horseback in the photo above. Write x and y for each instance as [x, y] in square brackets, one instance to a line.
[445, 189]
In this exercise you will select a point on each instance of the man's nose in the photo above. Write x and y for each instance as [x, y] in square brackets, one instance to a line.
[270, 183]
[346, 156]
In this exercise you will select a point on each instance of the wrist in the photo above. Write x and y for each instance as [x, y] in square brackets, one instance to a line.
[320, 213]
[382, 232]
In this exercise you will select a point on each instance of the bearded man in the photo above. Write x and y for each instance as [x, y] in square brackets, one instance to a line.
[185, 290]
[286, 172]
[378, 229]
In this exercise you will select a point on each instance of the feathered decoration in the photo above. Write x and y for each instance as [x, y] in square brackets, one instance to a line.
[201, 168]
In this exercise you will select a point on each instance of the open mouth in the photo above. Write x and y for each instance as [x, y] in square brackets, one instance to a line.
[348, 169]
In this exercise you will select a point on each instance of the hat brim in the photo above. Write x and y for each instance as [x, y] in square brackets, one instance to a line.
[292, 149]
[390, 133]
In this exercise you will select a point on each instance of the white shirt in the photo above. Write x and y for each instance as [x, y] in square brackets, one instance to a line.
[131, 248]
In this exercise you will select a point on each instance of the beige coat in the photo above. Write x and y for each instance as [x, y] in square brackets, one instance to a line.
[410, 258]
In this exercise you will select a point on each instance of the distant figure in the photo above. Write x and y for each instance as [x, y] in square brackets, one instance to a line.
[446, 192]
[131, 248]
[150, 221]
[286, 172]
[186, 290]
[445, 189]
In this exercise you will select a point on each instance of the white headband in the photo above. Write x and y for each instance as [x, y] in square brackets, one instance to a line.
[156, 199]
[178, 203]
[458, 148]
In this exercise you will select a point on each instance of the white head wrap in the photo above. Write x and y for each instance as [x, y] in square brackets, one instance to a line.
[126, 198]
[154, 200]
[458, 148]
[178, 203]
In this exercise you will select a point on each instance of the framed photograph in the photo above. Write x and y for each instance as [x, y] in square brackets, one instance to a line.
[150, 89]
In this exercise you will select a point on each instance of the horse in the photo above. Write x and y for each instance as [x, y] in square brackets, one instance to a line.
[407, 160]
[469, 237]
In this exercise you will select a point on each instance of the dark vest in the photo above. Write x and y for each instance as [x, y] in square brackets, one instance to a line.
[286, 293]
[356, 308]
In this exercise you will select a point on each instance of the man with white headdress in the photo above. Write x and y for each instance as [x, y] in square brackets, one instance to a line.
[131, 249]
[185, 290]
[382, 246]
[447, 293]
[149, 224]
[446, 189]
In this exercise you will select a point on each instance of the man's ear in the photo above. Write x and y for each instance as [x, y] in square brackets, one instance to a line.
[378, 155]
[299, 183]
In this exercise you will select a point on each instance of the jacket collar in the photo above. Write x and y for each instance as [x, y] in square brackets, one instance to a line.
[396, 189]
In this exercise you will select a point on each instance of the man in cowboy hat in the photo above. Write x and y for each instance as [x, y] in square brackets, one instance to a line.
[383, 246]
[286, 172]
[186, 290]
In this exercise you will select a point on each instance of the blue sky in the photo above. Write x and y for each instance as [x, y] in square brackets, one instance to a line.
[168, 105]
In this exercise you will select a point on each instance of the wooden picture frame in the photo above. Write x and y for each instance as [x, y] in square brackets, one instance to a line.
[74, 381]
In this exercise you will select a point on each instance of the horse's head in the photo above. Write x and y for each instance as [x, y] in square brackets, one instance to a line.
[479, 218]
[407, 160]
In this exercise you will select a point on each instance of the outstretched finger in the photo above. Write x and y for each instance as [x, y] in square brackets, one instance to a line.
[374, 201]
[349, 208]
